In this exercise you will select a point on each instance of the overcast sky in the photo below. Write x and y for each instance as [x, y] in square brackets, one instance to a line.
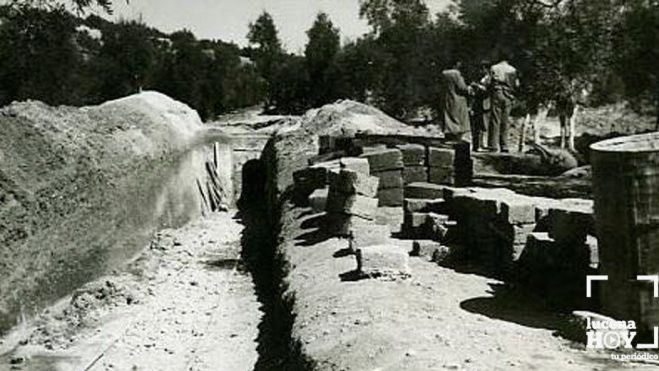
[228, 19]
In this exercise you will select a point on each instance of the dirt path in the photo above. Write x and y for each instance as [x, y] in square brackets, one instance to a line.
[192, 307]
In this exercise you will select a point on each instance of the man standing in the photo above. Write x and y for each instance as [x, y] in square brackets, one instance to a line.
[454, 110]
[504, 82]
[481, 107]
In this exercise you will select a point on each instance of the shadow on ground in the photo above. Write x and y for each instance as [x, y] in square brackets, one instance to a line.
[275, 348]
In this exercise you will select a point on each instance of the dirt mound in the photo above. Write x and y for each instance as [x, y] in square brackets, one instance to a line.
[69, 173]
[349, 117]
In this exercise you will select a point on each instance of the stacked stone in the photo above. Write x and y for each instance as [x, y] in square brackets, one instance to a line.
[387, 165]
[351, 198]
[414, 160]
[425, 212]
[441, 165]
[311, 183]
[493, 225]
[564, 242]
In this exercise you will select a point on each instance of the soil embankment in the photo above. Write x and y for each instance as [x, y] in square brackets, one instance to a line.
[82, 190]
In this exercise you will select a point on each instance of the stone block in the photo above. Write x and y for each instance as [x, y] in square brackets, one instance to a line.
[353, 182]
[518, 210]
[415, 174]
[357, 164]
[423, 205]
[373, 148]
[440, 175]
[441, 157]
[357, 205]
[424, 190]
[318, 200]
[342, 224]
[413, 154]
[386, 159]
[539, 251]
[389, 178]
[570, 225]
[390, 197]
[415, 219]
[383, 260]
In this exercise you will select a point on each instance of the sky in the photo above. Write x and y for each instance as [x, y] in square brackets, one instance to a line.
[228, 19]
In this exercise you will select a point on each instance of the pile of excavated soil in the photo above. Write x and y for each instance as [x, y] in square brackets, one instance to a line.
[75, 180]
[349, 117]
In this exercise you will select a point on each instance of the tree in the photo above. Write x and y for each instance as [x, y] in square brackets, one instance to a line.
[324, 44]
[80, 5]
[38, 55]
[127, 59]
[263, 37]
[637, 43]
[400, 27]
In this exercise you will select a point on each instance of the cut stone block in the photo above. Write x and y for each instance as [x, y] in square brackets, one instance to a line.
[424, 190]
[441, 157]
[386, 159]
[342, 224]
[423, 205]
[357, 164]
[383, 260]
[373, 148]
[389, 178]
[415, 220]
[358, 205]
[539, 251]
[413, 154]
[415, 174]
[353, 182]
[318, 200]
[518, 210]
[440, 175]
[570, 225]
[390, 197]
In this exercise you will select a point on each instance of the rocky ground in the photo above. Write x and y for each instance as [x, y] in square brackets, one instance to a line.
[185, 303]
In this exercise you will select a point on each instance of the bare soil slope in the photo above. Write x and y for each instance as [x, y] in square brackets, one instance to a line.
[69, 189]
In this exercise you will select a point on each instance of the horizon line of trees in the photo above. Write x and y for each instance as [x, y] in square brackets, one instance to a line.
[559, 46]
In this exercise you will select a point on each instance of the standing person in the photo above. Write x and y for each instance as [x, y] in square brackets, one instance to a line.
[454, 110]
[504, 82]
[481, 107]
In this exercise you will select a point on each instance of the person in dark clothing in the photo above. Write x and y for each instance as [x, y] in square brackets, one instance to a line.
[454, 110]
[504, 82]
[480, 108]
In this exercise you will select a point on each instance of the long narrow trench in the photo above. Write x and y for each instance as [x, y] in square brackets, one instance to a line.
[276, 351]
